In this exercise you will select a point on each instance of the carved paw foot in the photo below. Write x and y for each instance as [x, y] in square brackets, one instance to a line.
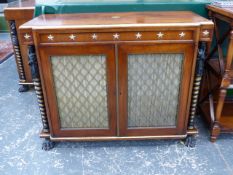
[190, 141]
[23, 88]
[47, 145]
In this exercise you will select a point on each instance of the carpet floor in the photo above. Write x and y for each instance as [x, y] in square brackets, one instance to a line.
[6, 50]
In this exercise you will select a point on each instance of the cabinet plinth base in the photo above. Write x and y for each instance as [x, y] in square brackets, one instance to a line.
[193, 131]
[117, 138]
[49, 143]
[44, 135]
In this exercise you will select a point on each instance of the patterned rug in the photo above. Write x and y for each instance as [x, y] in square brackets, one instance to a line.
[6, 50]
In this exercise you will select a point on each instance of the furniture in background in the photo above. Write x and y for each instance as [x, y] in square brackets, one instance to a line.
[17, 13]
[215, 105]
[117, 76]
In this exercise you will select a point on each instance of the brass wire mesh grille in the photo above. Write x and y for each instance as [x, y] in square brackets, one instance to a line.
[153, 89]
[81, 90]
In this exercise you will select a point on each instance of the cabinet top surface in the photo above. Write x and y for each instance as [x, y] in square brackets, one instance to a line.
[75, 2]
[129, 19]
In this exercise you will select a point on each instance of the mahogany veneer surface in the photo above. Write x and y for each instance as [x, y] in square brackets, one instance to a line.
[116, 19]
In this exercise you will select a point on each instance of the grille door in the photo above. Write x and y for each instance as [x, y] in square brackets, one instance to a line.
[153, 89]
[81, 90]
[81, 85]
[152, 83]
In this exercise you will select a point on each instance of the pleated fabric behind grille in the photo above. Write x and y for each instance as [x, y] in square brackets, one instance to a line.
[153, 89]
[80, 86]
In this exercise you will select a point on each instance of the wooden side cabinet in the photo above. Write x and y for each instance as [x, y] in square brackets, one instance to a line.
[216, 106]
[119, 76]
[17, 13]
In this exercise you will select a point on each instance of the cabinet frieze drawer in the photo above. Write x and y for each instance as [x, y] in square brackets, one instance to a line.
[116, 36]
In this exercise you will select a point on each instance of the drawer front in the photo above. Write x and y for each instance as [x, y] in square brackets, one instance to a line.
[115, 36]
